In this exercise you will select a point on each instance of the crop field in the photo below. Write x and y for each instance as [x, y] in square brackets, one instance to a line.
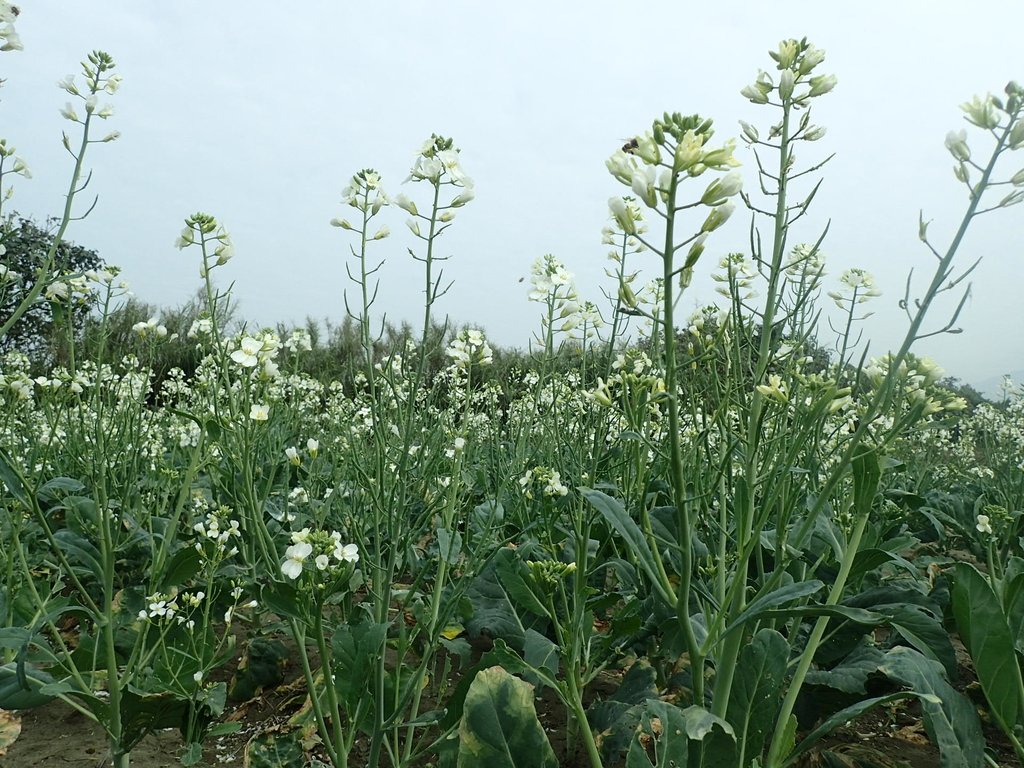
[653, 539]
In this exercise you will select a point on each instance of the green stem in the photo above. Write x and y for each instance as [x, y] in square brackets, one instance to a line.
[679, 496]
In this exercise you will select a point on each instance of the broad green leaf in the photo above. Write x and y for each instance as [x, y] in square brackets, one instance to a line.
[949, 717]
[12, 479]
[539, 652]
[614, 720]
[618, 518]
[855, 615]
[926, 633]
[754, 698]
[181, 568]
[852, 673]
[15, 695]
[281, 599]
[787, 594]
[986, 635]
[866, 473]
[843, 716]
[1013, 607]
[449, 545]
[516, 582]
[80, 552]
[499, 727]
[493, 614]
[275, 750]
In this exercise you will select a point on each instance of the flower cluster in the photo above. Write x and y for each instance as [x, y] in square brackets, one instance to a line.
[202, 228]
[544, 479]
[97, 80]
[796, 60]
[259, 350]
[11, 41]
[325, 550]
[366, 194]
[150, 327]
[438, 163]
[470, 348]
[858, 286]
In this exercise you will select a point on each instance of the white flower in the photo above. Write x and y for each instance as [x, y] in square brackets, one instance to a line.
[292, 454]
[312, 446]
[402, 201]
[259, 412]
[348, 553]
[984, 524]
[247, 355]
[294, 557]
[322, 561]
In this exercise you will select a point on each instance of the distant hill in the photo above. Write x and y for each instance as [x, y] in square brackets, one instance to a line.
[992, 386]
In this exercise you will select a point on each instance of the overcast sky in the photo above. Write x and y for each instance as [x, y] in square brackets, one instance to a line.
[259, 113]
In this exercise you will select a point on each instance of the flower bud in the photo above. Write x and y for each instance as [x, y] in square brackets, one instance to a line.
[695, 251]
[465, 196]
[648, 149]
[822, 84]
[402, 201]
[754, 94]
[1018, 178]
[812, 57]
[956, 143]
[1016, 137]
[722, 189]
[717, 217]
[788, 50]
[622, 216]
[786, 82]
[337, 221]
[981, 112]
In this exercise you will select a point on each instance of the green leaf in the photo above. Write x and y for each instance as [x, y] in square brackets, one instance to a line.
[1013, 605]
[669, 730]
[181, 568]
[949, 717]
[852, 673]
[866, 473]
[15, 695]
[618, 518]
[773, 599]
[281, 599]
[449, 545]
[80, 552]
[493, 614]
[986, 635]
[539, 652]
[516, 583]
[615, 719]
[851, 712]
[11, 477]
[926, 633]
[275, 750]
[754, 698]
[499, 727]
[191, 754]
[355, 647]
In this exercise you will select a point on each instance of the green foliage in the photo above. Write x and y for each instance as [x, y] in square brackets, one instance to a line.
[41, 332]
[499, 727]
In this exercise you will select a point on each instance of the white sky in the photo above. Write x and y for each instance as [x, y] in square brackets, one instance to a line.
[259, 113]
